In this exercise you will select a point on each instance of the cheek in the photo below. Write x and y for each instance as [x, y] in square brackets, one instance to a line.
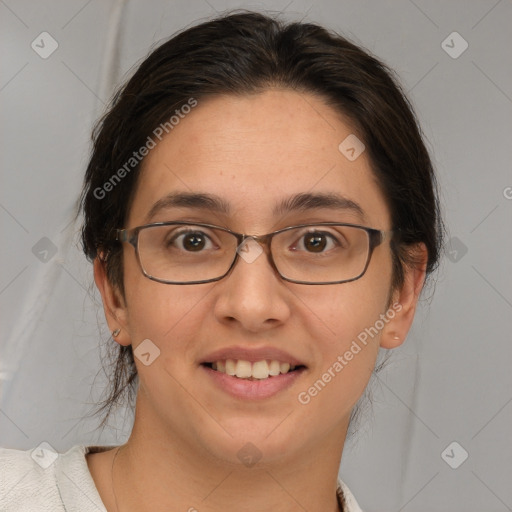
[339, 313]
[171, 319]
[352, 343]
[346, 323]
[164, 314]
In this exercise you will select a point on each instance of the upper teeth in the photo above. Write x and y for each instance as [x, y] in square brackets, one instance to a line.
[245, 369]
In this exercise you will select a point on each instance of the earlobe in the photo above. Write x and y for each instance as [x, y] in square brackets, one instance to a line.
[113, 304]
[405, 301]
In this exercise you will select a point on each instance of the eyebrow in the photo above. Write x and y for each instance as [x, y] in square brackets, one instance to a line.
[313, 201]
[299, 202]
[189, 200]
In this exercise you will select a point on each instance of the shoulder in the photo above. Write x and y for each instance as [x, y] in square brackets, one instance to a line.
[41, 479]
[28, 480]
[349, 502]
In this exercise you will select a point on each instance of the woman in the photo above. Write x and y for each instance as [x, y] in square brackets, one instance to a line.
[261, 213]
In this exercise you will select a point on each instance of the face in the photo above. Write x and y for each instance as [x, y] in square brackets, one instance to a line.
[254, 153]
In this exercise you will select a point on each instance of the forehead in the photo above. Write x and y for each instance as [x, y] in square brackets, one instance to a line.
[256, 151]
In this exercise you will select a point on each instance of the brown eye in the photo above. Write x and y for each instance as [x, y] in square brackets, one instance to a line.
[315, 242]
[189, 241]
[194, 241]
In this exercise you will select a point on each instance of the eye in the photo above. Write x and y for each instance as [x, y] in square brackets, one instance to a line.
[191, 241]
[316, 241]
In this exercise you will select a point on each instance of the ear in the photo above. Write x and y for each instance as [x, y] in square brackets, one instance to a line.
[114, 305]
[405, 299]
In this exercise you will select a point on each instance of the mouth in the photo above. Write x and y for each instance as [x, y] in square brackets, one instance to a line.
[253, 371]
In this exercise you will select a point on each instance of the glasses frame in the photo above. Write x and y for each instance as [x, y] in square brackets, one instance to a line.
[131, 236]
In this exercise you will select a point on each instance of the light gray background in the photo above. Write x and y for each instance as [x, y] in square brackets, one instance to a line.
[451, 381]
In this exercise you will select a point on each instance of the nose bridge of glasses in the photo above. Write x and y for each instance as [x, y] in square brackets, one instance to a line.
[262, 240]
[250, 247]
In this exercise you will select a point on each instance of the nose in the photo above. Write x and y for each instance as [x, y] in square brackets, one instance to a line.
[252, 295]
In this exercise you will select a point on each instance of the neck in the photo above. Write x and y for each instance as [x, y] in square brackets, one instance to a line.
[167, 472]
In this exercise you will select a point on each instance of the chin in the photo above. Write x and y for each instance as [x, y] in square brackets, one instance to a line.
[252, 442]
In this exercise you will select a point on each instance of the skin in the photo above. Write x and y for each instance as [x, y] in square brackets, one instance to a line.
[252, 151]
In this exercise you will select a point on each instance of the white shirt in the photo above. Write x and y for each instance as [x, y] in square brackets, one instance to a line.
[44, 481]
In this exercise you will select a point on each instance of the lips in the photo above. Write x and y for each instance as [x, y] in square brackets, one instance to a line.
[252, 364]
[244, 369]
[252, 355]
[257, 364]
[251, 389]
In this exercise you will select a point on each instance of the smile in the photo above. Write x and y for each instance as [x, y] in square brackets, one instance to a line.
[259, 370]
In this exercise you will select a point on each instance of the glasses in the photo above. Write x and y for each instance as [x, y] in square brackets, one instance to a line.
[190, 253]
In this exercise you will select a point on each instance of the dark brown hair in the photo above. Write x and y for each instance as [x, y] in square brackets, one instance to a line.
[246, 53]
